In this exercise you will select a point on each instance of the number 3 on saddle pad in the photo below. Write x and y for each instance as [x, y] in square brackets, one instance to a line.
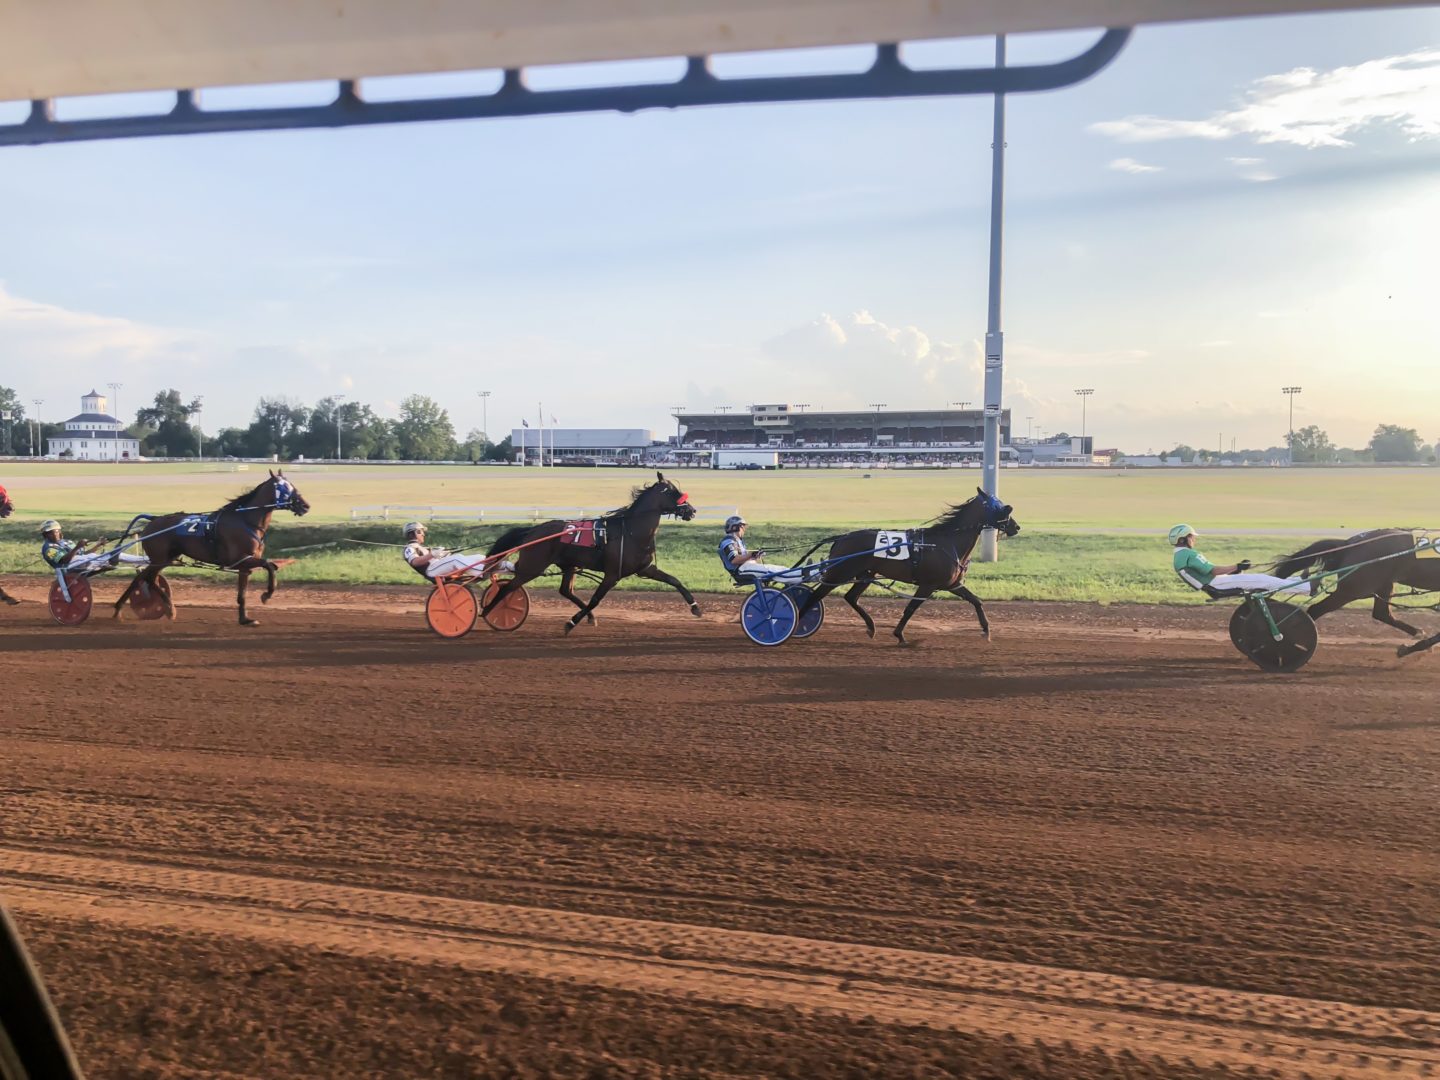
[896, 545]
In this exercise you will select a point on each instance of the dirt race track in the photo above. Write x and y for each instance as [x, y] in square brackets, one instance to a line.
[1102, 845]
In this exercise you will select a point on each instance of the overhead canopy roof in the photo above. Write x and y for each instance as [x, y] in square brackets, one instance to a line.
[62, 48]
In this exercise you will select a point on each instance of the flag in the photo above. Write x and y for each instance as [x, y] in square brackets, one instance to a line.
[525, 423]
[553, 421]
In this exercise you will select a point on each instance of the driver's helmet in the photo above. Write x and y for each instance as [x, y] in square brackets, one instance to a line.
[47, 527]
[1179, 532]
[414, 529]
[733, 522]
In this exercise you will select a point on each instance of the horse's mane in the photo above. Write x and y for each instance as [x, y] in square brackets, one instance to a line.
[954, 517]
[636, 494]
[241, 499]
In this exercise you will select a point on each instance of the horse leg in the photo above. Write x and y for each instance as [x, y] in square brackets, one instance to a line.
[852, 597]
[654, 573]
[519, 581]
[270, 569]
[242, 579]
[7, 598]
[1418, 646]
[1381, 612]
[606, 584]
[965, 594]
[920, 597]
[124, 596]
[567, 582]
[1334, 602]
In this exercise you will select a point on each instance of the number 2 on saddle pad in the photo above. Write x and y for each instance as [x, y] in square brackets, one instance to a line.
[896, 545]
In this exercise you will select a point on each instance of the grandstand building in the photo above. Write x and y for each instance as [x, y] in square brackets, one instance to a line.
[804, 436]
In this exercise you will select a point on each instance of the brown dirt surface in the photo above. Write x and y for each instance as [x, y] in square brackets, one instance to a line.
[1101, 845]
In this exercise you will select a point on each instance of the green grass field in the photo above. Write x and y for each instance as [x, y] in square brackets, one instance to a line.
[1092, 535]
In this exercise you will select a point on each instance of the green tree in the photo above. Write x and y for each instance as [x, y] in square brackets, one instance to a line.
[1312, 444]
[424, 430]
[501, 451]
[278, 428]
[367, 435]
[475, 447]
[14, 432]
[1394, 443]
[165, 426]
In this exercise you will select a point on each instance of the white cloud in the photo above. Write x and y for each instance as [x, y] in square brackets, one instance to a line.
[1219, 343]
[1042, 356]
[1130, 165]
[862, 343]
[1245, 161]
[1310, 108]
[56, 337]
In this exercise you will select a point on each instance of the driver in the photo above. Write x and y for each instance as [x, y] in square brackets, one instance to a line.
[438, 562]
[59, 552]
[746, 565]
[1191, 564]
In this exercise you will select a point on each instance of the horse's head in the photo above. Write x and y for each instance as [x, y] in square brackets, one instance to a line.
[286, 496]
[666, 497]
[6, 506]
[997, 513]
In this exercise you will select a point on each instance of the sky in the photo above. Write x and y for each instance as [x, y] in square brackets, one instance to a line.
[1229, 208]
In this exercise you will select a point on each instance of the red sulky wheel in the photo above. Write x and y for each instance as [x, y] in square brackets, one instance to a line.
[148, 601]
[76, 610]
[450, 609]
[512, 612]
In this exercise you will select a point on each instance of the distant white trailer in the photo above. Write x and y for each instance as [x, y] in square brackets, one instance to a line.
[745, 459]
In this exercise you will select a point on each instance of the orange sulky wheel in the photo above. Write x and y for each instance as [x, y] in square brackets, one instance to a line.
[148, 601]
[450, 609]
[510, 613]
[77, 609]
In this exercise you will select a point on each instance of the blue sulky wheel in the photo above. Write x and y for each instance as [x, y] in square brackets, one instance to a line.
[814, 616]
[768, 617]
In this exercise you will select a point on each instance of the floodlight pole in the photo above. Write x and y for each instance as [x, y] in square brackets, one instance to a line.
[994, 339]
[339, 418]
[1290, 392]
[1084, 396]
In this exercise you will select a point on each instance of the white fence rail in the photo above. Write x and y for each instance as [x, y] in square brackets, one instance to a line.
[505, 514]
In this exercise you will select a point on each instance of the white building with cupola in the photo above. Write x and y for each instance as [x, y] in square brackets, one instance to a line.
[94, 435]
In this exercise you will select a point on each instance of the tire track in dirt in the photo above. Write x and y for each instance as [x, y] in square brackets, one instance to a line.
[1286, 1035]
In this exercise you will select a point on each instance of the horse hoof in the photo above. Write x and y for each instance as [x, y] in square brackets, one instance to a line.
[695, 610]
[568, 627]
[249, 622]
[590, 619]
[1403, 650]
[265, 597]
[11, 601]
[870, 632]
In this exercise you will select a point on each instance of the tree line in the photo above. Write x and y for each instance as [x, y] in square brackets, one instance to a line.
[280, 427]
[1312, 446]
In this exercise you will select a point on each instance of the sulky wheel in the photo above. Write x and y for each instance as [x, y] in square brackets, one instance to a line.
[148, 601]
[510, 613]
[768, 617]
[814, 616]
[450, 609]
[76, 610]
[1252, 635]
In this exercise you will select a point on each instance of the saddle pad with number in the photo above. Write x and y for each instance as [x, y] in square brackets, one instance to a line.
[196, 525]
[587, 534]
[896, 545]
[1429, 551]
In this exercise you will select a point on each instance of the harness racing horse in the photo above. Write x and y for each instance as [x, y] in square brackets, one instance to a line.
[231, 538]
[1391, 558]
[628, 549]
[938, 556]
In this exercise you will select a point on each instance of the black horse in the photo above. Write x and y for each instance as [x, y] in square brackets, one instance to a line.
[616, 545]
[938, 556]
[1390, 559]
[232, 538]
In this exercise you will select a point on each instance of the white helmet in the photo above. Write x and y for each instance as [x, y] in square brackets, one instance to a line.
[413, 529]
[733, 522]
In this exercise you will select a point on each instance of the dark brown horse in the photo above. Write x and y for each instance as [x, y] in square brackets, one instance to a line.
[932, 558]
[231, 538]
[627, 548]
[1389, 559]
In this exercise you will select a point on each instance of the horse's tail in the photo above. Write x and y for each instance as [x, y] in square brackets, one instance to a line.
[1321, 550]
[137, 520]
[510, 538]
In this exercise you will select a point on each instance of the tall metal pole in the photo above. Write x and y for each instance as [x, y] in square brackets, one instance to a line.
[994, 339]
[115, 389]
[1084, 396]
[338, 419]
[37, 402]
[1290, 392]
[199, 437]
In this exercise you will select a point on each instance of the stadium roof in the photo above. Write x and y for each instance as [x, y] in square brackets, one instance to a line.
[50, 50]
